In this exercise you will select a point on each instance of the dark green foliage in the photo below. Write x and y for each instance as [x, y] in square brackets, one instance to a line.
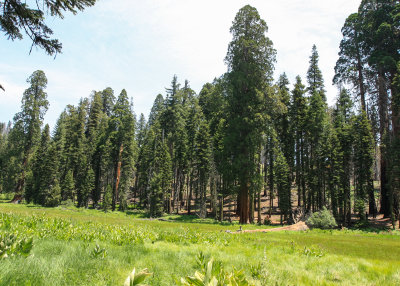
[17, 17]
[241, 141]
[283, 184]
[28, 121]
[68, 186]
[322, 219]
[44, 187]
[203, 162]
[314, 74]
[250, 59]
[363, 160]
[107, 198]
[160, 172]
[122, 143]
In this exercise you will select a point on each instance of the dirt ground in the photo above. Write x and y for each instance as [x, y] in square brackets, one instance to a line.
[230, 209]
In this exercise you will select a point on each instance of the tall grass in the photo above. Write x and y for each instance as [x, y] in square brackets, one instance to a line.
[87, 247]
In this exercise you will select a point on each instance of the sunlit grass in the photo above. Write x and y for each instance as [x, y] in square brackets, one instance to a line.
[64, 239]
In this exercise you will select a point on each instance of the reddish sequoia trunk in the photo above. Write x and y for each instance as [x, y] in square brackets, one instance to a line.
[118, 176]
[384, 127]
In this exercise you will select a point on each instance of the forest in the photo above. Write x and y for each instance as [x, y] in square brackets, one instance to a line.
[243, 138]
[253, 180]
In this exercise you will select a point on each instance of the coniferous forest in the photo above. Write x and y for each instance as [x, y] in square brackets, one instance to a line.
[251, 180]
[245, 146]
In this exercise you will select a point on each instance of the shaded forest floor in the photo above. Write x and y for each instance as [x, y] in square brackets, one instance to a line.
[273, 214]
[88, 247]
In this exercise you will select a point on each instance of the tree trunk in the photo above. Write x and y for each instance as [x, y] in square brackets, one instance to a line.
[221, 208]
[251, 214]
[259, 208]
[371, 198]
[117, 177]
[244, 203]
[383, 130]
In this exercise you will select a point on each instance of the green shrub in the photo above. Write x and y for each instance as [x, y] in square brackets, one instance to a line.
[322, 219]
[6, 196]
[98, 252]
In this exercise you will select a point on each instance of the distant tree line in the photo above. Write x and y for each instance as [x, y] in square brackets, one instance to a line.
[243, 137]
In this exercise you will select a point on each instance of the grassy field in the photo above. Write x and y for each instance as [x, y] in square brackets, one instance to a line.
[87, 247]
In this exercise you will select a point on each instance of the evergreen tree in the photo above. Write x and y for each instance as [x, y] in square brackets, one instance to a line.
[108, 98]
[94, 129]
[363, 160]
[203, 163]
[160, 175]
[29, 120]
[250, 60]
[351, 67]
[316, 122]
[314, 74]
[283, 124]
[342, 152]
[283, 184]
[122, 139]
[68, 186]
[298, 111]
[18, 15]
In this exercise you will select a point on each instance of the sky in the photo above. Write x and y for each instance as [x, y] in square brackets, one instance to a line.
[140, 45]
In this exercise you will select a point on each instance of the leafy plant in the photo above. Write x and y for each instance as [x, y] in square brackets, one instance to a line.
[98, 252]
[313, 251]
[322, 219]
[213, 274]
[10, 246]
[137, 278]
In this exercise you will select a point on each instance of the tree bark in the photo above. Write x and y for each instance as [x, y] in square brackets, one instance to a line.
[383, 130]
[244, 203]
[117, 177]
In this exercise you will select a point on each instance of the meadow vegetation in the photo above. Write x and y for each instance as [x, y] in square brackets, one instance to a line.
[88, 247]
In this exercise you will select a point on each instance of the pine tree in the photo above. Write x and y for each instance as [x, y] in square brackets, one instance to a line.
[363, 160]
[160, 175]
[107, 198]
[284, 122]
[203, 163]
[316, 122]
[68, 186]
[342, 151]
[44, 187]
[298, 111]
[94, 129]
[283, 184]
[314, 74]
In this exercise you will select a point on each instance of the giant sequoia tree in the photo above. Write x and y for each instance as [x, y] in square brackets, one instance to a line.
[240, 135]
[29, 120]
[368, 58]
[250, 61]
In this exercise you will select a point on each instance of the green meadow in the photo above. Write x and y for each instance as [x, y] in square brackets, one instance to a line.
[88, 247]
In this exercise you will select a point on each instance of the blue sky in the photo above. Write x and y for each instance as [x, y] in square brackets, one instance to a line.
[140, 45]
